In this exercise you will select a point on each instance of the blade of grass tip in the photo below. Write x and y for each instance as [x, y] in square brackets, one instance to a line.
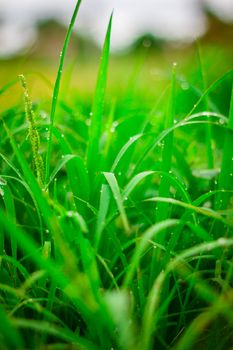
[225, 181]
[57, 88]
[93, 156]
[210, 156]
[211, 88]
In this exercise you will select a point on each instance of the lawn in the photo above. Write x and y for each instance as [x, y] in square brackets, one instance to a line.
[116, 192]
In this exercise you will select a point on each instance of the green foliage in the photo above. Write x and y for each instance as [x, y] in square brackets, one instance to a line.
[126, 241]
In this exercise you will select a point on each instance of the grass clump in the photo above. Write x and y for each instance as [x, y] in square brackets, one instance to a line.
[124, 240]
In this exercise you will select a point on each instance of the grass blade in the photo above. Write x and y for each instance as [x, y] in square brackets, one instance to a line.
[93, 149]
[110, 177]
[57, 88]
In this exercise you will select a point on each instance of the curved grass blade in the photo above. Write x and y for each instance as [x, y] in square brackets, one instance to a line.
[201, 210]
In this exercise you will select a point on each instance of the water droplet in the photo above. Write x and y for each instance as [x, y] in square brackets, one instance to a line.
[115, 124]
[2, 182]
[184, 85]
[222, 241]
[88, 122]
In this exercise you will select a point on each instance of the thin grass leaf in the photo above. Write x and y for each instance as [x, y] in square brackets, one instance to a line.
[93, 149]
[57, 88]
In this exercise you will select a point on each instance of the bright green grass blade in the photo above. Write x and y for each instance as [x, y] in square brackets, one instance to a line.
[201, 210]
[123, 151]
[211, 88]
[134, 182]
[110, 177]
[57, 88]
[93, 148]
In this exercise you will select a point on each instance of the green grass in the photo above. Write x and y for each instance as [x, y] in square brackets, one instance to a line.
[116, 219]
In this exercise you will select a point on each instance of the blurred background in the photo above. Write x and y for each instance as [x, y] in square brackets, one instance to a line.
[147, 36]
